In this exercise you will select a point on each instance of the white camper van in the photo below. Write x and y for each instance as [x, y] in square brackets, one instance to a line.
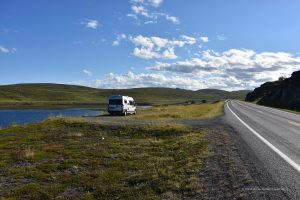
[121, 105]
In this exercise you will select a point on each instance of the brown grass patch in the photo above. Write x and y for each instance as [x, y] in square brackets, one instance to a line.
[23, 153]
[51, 147]
[75, 134]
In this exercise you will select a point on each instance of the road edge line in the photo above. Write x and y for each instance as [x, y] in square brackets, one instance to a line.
[280, 153]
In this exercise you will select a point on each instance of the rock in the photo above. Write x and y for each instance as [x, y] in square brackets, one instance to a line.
[74, 169]
[282, 93]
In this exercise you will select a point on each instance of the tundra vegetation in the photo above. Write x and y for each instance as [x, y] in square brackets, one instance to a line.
[67, 158]
[60, 96]
[193, 111]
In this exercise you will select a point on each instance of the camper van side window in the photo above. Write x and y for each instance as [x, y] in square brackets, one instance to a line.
[131, 103]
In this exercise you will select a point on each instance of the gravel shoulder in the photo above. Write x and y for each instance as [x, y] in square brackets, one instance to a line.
[233, 171]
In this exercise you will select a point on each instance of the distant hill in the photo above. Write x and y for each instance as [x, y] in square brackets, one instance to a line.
[59, 94]
[283, 93]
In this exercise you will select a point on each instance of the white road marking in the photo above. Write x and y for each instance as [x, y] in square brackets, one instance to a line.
[280, 153]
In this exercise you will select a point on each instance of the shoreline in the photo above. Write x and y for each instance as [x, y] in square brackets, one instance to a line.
[57, 106]
[49, 106]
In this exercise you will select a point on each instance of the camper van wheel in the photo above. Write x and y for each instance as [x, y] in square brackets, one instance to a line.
[134, 113]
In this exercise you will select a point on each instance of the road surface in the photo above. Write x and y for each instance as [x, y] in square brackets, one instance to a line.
[274, 137]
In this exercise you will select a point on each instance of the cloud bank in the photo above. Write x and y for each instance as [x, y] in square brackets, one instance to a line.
[234, 69]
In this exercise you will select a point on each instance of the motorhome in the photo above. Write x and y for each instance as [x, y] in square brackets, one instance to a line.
[121, 105]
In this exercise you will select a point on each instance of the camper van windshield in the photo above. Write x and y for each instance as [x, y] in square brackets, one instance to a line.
[115, 101]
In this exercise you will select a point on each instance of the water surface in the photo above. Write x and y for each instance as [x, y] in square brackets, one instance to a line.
[8, 117]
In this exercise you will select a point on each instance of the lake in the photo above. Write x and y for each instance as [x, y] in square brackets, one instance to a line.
[8, 117]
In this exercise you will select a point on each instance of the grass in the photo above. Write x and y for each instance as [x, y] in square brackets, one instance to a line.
[50, 95]
[66, 159]
[194, 111]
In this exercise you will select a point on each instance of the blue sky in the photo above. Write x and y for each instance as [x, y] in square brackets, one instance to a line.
[189, 44]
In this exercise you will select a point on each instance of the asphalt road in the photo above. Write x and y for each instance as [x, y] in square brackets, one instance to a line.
[274, 137]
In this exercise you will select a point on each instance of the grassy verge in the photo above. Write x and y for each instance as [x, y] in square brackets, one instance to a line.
[67, 159]
[194, 111]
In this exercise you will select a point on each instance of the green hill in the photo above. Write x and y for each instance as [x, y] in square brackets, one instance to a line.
[68, 95]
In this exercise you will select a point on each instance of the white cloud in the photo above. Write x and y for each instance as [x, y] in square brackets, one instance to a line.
[90, 23]
[119, 38]
[155, 3]
[134, 16]
[204, 39]
[247, 67]
[144, 10]
[159, 42]
[149, 54]
[140, 10]
[145, 53]
[131, 80]
[173, 19]
[221, 37]
[157, 47]
[140, 40]
[169, 54]
[188, 39]
[234, 69]
[137, 1]
[188, 66]
[6, 50]
[150, 22]
[88, 72]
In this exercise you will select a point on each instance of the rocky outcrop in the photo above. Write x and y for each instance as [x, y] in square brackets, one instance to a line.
[283, 94]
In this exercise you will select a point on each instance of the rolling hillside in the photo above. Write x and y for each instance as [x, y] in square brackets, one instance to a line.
[58, 94]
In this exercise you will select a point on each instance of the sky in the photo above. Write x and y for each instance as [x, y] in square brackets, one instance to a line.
[189, 44]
